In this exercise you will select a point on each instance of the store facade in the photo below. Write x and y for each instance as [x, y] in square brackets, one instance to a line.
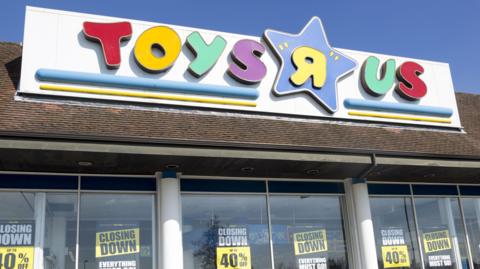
[129, 144]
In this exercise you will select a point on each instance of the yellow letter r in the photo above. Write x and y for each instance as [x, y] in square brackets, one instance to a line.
[309, 63]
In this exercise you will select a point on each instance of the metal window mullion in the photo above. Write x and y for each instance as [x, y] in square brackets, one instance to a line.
[154, 231]
[419, 242]
[272, 258]
[469, 250]
[77, 243]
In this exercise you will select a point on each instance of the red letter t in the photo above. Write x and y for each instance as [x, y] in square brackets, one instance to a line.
[109, 36]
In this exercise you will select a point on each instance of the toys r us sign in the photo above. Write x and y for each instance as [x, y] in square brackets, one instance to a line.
[85, 56]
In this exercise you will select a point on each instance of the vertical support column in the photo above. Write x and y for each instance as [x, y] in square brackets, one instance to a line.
[58, 240]
[353, 243]
[155, 232]
[40, 203]
[364, 224]
[170, 250]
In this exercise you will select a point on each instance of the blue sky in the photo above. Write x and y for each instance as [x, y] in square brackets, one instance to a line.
[440, 30]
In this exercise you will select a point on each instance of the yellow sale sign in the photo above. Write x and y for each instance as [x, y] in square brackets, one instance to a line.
[395, 256]
[16, 257]
[436, 241]
[310, 242]
[117, 242]
[233, 258]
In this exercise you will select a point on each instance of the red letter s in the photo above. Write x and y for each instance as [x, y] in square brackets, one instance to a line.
[410, 86]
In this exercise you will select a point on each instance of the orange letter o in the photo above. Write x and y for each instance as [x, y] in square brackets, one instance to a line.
[166, 39]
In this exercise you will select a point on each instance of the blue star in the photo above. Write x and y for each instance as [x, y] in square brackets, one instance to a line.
[313, 36]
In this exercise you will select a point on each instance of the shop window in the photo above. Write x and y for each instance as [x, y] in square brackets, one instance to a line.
[471, 209]
[223, 231]
[60, 230]
[308, 231]
[38, 229]
[395, 233]
[442, 233]
[18, 227]
[116, 231]
[17, 206]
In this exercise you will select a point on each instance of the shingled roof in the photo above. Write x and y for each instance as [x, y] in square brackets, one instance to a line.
[121, 122]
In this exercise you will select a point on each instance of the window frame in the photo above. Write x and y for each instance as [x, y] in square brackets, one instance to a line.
[38, 263]
[342, 199]
[458, 196]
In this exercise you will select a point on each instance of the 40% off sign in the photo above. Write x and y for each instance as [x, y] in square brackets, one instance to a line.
[233, 258]
[16, 257]
[395, 256]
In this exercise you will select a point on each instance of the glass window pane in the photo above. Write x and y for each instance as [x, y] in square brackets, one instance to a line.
[395, 233]
[17, 206]
[217, 226]
[471, 209]
[17, 229]
[60, 230]
[441, 232]
[116, 230]
[308, 232]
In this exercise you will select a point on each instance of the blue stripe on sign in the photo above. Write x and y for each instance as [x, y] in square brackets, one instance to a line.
[397, 107]
[145, 84]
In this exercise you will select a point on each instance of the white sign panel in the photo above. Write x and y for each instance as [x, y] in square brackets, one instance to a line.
[86, 56]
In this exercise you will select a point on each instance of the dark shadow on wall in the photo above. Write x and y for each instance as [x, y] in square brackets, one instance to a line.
[13, 68]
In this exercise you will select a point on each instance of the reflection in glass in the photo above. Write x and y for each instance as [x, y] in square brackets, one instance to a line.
[471, 209]
[207, 216]
[441, 232]
[298, 225]
[17, 206]
[120, 226]
[60, 231]
[394, 227]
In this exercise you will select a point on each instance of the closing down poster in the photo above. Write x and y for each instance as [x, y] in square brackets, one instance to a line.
[117, 246]
[17, 244]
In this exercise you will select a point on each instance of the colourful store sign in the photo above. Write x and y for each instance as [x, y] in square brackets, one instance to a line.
[86, 56]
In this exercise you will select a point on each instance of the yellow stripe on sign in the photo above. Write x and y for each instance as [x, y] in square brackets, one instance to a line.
[148, 95]
[398, 117]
